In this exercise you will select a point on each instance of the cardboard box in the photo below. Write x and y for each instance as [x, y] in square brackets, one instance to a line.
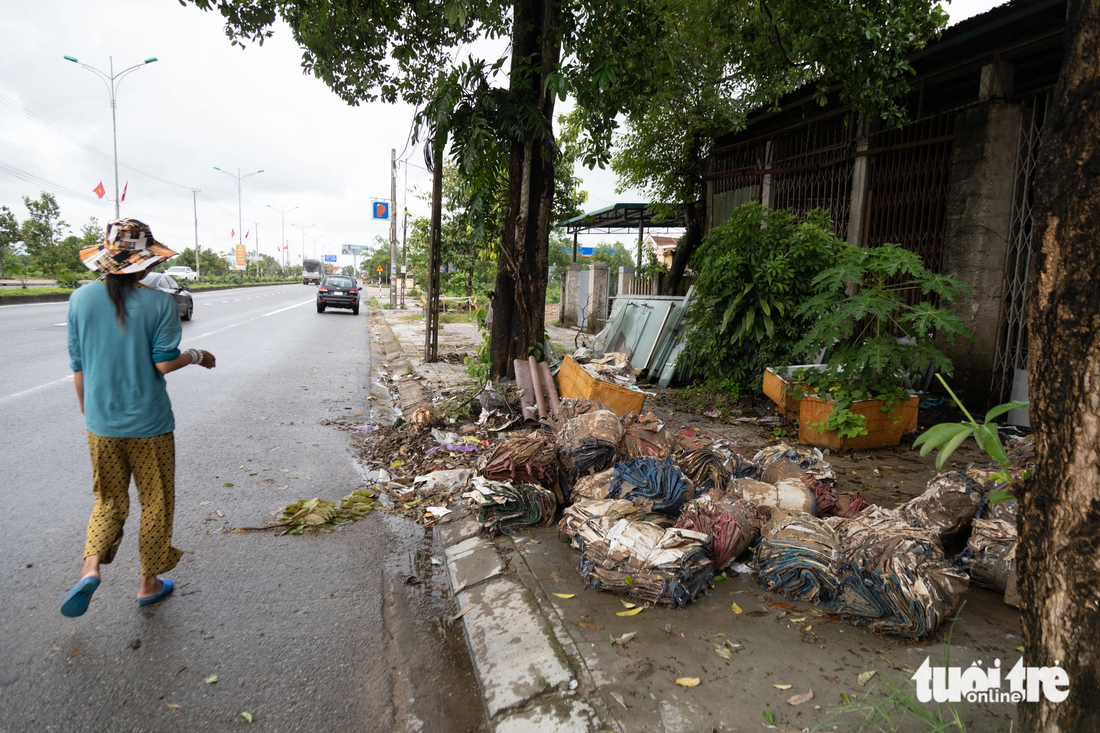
[574, 381]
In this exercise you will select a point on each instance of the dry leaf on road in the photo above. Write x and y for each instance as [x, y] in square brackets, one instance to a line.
[799, 699]
[736, 608]
[631, 612]
[782, 687]
[619, 699]
[688, 681]
[563, 595]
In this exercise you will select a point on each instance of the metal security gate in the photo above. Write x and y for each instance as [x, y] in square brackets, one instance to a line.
[1012, 344]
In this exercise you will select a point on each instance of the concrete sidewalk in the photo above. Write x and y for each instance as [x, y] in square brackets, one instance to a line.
[541, 640]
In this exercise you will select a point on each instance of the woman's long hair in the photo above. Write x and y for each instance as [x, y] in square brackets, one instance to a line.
[118, 287]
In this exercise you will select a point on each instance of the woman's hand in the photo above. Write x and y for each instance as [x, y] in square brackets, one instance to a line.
[207, 359]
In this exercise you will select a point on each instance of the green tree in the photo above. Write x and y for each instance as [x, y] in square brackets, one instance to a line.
[728, 58]
[10, 235]
[43, 232]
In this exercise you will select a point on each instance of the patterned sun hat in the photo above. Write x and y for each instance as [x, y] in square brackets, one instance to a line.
[128, 247]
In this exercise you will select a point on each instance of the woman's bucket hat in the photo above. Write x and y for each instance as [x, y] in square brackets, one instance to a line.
[129, 247]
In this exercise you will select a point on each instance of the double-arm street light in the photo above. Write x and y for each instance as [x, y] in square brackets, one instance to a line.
[303, 227]
[112, 81]
[239, 179]
[282, 247]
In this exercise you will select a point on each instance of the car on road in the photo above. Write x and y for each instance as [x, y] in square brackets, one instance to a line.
[184, 302]
[182, 272]
[338, 291]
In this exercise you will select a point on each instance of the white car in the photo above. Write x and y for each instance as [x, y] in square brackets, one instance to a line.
[182, 273]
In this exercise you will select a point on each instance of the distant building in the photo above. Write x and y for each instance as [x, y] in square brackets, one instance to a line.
[663, 246]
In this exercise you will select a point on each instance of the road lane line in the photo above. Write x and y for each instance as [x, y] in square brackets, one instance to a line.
[35, 389]
[255, 318]
[28, 305]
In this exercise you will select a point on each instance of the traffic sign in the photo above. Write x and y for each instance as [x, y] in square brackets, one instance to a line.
[380, 210]
[330, 258]
[379, 268]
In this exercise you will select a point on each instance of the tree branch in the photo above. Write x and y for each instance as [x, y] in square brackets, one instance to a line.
[778, 39]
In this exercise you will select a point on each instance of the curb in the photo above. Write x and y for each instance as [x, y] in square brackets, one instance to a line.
[62, 297]
[532, 676]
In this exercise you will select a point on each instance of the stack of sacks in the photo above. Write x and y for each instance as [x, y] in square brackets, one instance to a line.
[593, 486]
[736, 466]
[640, 559]
[809, 460]
[645, 435]
[579, 513]
[526, 459]
[798, 557]
[692, 439]
[831, 504]
[893, 576]
[569, 408]
[790, 494]
[946, 507]
[587, 444]
[990, 554]
[705, 468]
[657, 486]
[731, 524]
[504, 508]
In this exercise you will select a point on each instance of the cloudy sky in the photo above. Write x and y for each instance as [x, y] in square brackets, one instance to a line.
[204, 103]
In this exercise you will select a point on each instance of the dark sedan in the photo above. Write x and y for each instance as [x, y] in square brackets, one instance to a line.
[180, 294]
[338, 291]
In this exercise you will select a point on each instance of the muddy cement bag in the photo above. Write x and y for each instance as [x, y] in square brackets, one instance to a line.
[638, 559]
[798, 557]
[587, 444]
[527, 459]
[503, 507]
[789, 494]
[656, 486]
[569, 408]
[580, 512]
[731, 526]
[946, 507]
[990, 554]
[594, 486]
[646, 436]
[810, 460]
[828, 502]
[894, 578]
[705, 468]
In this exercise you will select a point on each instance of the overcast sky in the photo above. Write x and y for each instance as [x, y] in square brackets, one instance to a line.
[204, 103]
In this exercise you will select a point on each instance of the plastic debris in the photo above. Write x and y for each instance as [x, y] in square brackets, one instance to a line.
[530, 458]
[894, 578]
[594, 486]
[587, 444]
[946, 507]
[799, 558]
[504, 507]
[658, 486]
[644, 561]
[442, 482]
[580, 512]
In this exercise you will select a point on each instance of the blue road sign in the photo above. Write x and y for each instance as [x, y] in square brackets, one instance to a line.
[380, 210]
[330, 258]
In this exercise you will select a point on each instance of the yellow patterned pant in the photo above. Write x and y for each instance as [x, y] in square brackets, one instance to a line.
[152, 463]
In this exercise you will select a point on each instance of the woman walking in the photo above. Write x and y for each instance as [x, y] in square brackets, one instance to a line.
[123, 339]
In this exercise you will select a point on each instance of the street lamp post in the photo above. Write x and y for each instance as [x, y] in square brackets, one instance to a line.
[112, 81]
[303, 228]
[282, 212]
[240, 219]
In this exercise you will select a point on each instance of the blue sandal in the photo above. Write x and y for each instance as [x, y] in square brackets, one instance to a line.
[76, 602]
[167, 586]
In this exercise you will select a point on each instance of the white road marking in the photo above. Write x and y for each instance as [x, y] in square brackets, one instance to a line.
[35, 389]
[29, 305]
[256, 318]
[61, 324]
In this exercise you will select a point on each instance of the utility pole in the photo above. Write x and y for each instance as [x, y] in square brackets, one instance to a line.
[431, 330]
[257, 248]
[404, 234]
[393, 227]
[195, 201]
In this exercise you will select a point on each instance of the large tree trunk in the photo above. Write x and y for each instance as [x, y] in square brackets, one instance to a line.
[520, 302]
[1059, 557]
[694, 216]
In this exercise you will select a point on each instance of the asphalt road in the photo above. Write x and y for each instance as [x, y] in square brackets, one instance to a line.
[344, 631]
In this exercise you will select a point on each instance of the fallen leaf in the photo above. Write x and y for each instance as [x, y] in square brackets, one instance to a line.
[782, 687]
[798, 620]
[799, 699]
[844, 699]
[564, 595]
[723, 651]
[769, 717]
[834, 680]
[248, 717]
[736, 608]
[688, 681]
[436, 561]
[173, 707]
[627, 604]
[242, 465]
[622, 640]
[863, 677]
[1019, 649]
[211, 679]
[76, 653]
[631, 612]
[557, 577]
[227, 484]
[619, 699]
[463, 612]
[582, 614]
[594, 627]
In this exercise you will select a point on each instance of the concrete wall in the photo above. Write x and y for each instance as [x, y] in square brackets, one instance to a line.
[569, 288]
[598, 293]
[979, 214]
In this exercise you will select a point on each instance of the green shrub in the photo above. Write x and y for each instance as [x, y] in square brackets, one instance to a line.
[754, 273]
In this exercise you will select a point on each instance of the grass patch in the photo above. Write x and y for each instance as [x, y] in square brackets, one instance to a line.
[457, 317]
[413, 317]
[8, 292]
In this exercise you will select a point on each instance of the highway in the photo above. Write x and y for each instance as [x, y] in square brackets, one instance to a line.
[343, 631]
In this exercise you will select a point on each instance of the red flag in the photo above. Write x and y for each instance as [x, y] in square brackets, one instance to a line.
[232, 233]
[127, 185]
[99, 190]
[247, 233]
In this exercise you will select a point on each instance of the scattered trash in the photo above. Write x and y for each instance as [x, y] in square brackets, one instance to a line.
[530, 458]
[587, 444]
[321, 515]
[442, 482]
[577, 514]
[438, 511]
[642, 560]
[504, 508]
